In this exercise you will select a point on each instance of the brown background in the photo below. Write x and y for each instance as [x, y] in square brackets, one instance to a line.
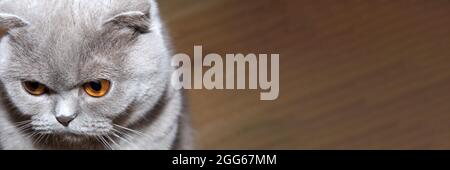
[354, 74]
[359, 74]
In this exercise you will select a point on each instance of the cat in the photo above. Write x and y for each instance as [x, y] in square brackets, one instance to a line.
[88, 74]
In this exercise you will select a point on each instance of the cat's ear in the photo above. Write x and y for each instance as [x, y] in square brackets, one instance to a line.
[10, 22]
[136, 20]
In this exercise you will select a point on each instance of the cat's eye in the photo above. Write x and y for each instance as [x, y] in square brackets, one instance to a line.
[34, 88]
[97, 88]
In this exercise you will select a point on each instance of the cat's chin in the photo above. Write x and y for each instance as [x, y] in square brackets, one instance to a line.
[70, 135]
[68, 141]
[74, 137]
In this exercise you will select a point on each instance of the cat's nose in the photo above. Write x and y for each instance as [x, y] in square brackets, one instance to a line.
[65, 120]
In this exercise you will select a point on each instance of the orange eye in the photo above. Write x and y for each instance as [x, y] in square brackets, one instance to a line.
[97, 88]
[34, 88]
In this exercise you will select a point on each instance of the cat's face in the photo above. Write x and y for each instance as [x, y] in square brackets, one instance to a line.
[79, 76]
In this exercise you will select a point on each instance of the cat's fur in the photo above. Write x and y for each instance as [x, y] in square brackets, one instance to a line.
[64, 44]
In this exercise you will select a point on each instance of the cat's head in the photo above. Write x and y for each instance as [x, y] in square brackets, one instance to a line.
[75, 67]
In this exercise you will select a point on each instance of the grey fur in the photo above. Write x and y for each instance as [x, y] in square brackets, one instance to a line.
[11, 21]
[64, 44]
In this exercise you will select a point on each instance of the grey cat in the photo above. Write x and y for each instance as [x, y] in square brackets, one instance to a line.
[87, 74]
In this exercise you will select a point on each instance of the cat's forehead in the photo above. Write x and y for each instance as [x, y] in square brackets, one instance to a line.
[65, 43]
[64, 59]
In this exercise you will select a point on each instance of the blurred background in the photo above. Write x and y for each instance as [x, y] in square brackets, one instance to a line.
[354, 74]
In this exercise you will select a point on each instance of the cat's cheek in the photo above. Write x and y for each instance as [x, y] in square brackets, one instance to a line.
[26, 103]
[45, 122]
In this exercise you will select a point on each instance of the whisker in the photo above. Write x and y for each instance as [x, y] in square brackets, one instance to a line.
[108, 146]
[28, 136]
[102, 142]
[47, 137]
[22, 122]
[112, 140]
[18, 125]
[99, 141]
[124, 133]
[39, 138]
[123, 138]
[131, 130]
[128, 136]
[23, 128]
[31, 135]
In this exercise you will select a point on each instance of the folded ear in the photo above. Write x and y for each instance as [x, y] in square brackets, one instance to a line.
[133, 19]
[9, 22]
